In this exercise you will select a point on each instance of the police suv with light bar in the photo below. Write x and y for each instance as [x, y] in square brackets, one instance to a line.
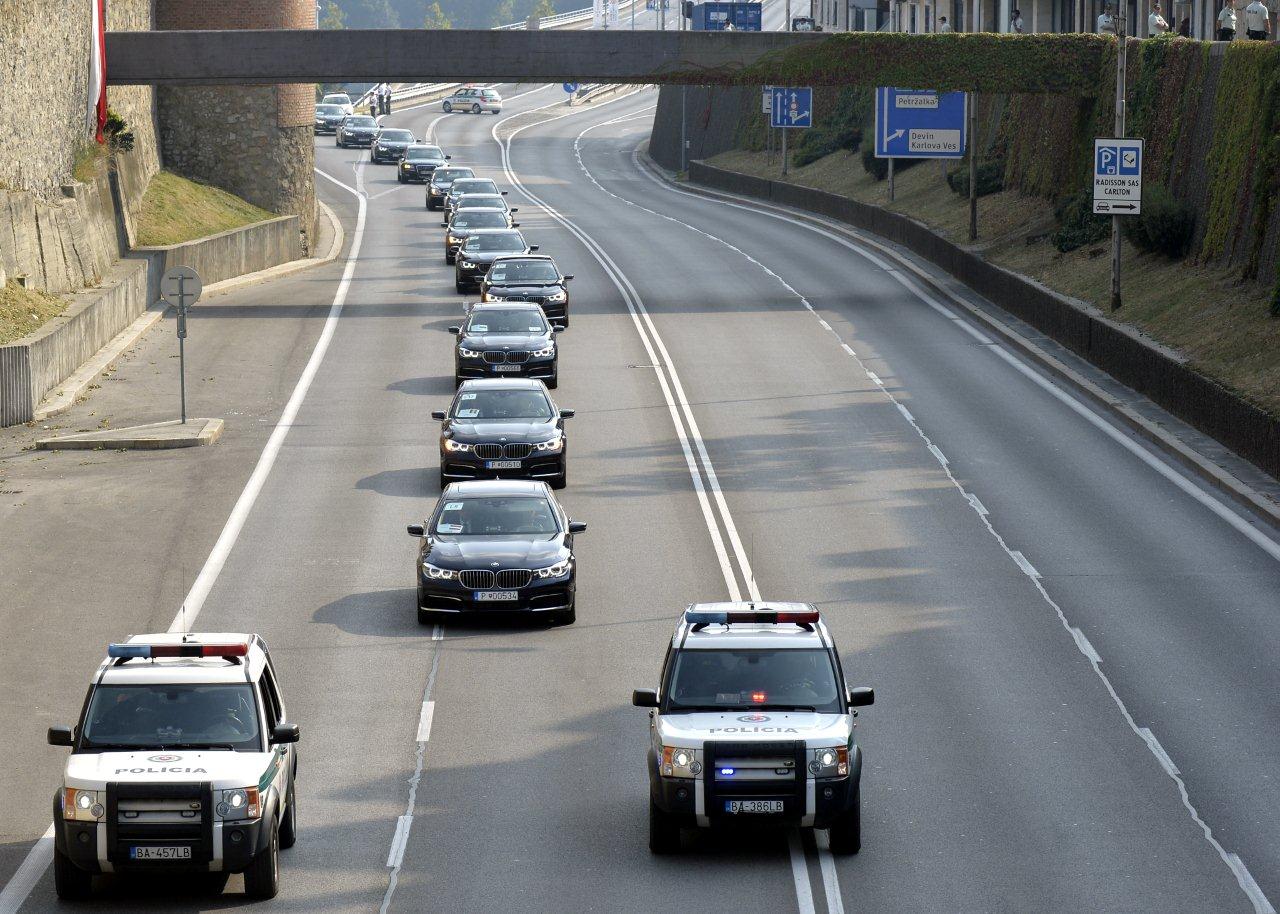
[183, 760]
[752, 722]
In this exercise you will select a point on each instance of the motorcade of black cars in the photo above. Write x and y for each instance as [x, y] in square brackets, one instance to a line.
[512, 340]
[497, 546]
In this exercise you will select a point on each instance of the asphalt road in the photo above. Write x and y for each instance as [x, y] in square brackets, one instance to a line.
[972, 537]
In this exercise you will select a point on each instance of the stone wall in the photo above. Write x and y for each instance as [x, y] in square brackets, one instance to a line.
[254, 141]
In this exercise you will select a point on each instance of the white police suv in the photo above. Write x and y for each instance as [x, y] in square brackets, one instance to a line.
[183, 760]
[752, 722]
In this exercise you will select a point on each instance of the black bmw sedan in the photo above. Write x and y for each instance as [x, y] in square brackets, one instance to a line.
[497, 546]
[529, 278]
[512, 340]
[419, 162]
[355, 130]
[389, 145]
[504, 428]
[467, 223]
[482, 249]
[441, 180]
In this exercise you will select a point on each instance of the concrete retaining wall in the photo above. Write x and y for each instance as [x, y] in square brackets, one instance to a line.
[232, 253]
[1213, 409]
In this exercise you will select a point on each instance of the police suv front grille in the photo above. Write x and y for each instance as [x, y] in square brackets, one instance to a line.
[143, 814]
[494, 357]
[768, 770]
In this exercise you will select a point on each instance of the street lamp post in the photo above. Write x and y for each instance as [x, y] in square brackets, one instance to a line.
[1121, 67]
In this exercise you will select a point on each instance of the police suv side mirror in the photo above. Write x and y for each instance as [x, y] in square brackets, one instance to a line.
[416, 530]
[644, 698]
[284, 733]
[577, 526]
[861, 697]
[568, 413]
[61, 736]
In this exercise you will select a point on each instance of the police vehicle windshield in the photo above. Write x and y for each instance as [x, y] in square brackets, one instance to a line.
[480, 218]
[542, 271]
[169, 716]
[423, 153]
[757, 679]
[495, 242]
[503, 404]
[492, 321]
[524, 515]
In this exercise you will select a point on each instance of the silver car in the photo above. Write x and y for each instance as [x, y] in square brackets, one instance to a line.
[474, 100]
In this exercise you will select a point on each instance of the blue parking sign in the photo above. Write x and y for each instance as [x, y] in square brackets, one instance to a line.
[1117, 176]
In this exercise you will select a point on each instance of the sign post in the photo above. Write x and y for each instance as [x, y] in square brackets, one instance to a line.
[1129, 164]
[792, 107]
[919, 124]
[180, 287]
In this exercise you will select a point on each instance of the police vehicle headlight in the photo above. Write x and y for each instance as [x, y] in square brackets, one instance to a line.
[557, 297]
[831, 762]
[558, 570]
[468, 353]
[240, 803]
[438, 574]
[679, 762]
[81, 805]
[456, 446]
[544, 353]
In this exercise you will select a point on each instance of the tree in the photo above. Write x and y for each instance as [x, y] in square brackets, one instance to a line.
[436, 19]
[504, 13]
[332, 16]
[543, 8]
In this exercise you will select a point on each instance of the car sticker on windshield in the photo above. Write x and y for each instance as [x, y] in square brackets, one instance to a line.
[453, 506]
[534, 329]
[467, 397]
[468, 413]
[449, 528]
[479, 328]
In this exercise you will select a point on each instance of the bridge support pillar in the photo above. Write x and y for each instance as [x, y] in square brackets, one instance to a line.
[255, 141]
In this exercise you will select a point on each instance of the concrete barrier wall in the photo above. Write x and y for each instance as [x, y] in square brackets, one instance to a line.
[1190, 396]
[232, 253]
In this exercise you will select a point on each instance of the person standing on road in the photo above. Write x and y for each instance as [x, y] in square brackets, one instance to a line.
[1227, 21]
[1106, 22]
[943, 25]
[1257, 21]
[386, 98]
[373, 103]
[1156, 24]
[1015, 22]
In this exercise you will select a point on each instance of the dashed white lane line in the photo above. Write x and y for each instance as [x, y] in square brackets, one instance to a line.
[424, 721]
[398, 840]
[1027, 568]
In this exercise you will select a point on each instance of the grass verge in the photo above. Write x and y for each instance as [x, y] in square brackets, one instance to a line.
[24, 311]
[175, 209]
[1203, 312]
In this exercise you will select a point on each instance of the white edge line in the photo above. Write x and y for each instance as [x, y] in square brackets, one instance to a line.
[800, 873]
[28, 874]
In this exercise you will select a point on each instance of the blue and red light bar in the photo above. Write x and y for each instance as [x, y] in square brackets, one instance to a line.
[185, 649]
[749, 616]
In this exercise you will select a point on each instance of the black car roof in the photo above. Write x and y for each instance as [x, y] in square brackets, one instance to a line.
[495, 487]
[505, 306]
[502, 384]
[546, 257]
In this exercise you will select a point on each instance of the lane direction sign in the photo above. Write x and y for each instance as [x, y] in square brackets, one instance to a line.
[1117, 176]
[792, 107]
[571, 88]
[920, 124]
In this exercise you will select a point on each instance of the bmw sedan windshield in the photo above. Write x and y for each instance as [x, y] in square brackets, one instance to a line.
[521, 515]
[496, 405]
[478, 219]
[489, 320]
[539, 271]
[495, 242]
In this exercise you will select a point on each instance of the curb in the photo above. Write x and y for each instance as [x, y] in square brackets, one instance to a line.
[70, 390]
[115, 439]
[1216, 476]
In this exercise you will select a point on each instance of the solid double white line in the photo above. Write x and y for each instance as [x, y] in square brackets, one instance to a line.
[715, 511]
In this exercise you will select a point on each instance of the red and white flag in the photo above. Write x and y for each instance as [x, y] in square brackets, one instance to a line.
[98, 72]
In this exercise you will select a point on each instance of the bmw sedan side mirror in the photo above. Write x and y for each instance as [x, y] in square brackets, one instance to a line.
[578, 526]
[444, 225]
[861, 697]
[568, 413]
[61, 736]
[455, 330]
[515, 225]
[568, 278]
[416, 530]
[644, 698]
[438, 415]
[504, 193]
[558, 328]
[448, 157]
[514, 209]
[284, 733]
[534, 247]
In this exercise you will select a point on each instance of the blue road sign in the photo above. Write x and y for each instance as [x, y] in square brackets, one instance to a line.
[792, 107]
[571, 88]
[1117, 176]
[920, 124]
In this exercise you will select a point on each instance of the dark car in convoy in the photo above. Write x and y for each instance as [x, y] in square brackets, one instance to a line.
[419, 163]
[467, 223]
[497, 546]
[355, 130]
[389, 145]
[531, 278]
[481, 201]
[441, 180]
[328, 117]
[512, 340]
[470, 186]
[482, 249]
[504, 428]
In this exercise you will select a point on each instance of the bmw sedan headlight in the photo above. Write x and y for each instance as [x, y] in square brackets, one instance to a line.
[81, 805]
[545, 353]
[553, 445]
[455, 239]
[831, 762]
[468, 353]
[489, 296]
[466, 264]
[558, 570]
[458, 447]
[240, 803]
[557, 297]
[679, 762]
[438, 574]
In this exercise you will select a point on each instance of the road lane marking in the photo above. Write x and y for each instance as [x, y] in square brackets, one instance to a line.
[800, 872]
[40, 856]
[830, 878]
[1244, 879]
[424, 720]
[1021, 560]
[398, 840]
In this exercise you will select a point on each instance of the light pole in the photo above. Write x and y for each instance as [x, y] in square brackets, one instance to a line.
[1121, 65]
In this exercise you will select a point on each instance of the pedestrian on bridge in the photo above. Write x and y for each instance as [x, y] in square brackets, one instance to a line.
[943, 25]
[1106, 22]
[386, 98]
[1156, 24]
[1227, 21]
[1015, 22]
[373, 102]
[1257, 21]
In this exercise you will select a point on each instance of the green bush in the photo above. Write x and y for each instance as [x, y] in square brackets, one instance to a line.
[1165, 226]
[879, 168]
[1077, 225]
[815, 144]
[990, 178]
